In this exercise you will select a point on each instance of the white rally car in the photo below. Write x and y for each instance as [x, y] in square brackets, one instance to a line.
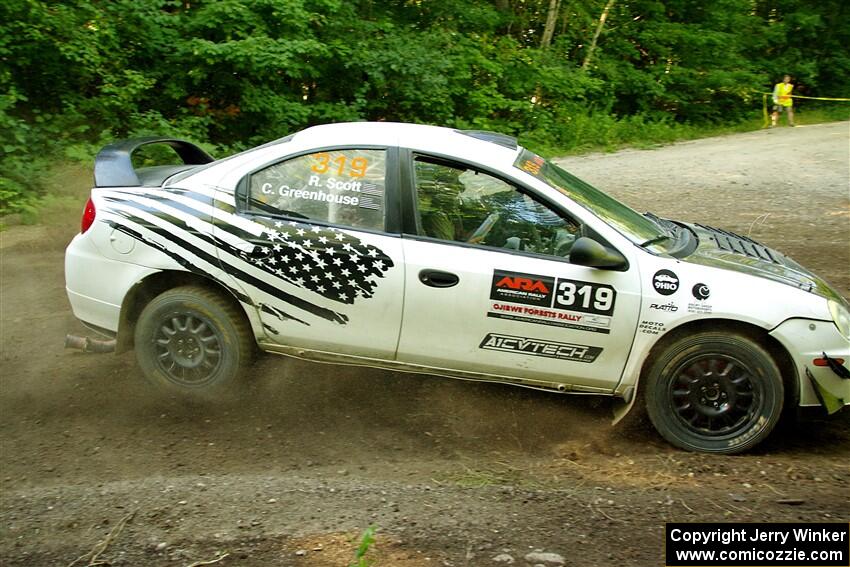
[455, 253]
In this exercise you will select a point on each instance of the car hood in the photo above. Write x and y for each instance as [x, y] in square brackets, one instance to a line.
[729, 251]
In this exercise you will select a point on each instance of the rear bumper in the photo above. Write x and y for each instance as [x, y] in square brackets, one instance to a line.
[807, 340]
[96, 285]
[93, 311]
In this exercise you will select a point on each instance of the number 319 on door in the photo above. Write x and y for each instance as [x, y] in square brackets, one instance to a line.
[585, 297]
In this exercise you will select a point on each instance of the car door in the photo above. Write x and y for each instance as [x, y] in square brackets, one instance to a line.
[314, 245]
[490, 290]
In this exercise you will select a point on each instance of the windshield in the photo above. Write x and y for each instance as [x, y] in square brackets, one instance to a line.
[638, 228]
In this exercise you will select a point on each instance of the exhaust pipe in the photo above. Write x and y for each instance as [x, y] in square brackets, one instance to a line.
[87, 344]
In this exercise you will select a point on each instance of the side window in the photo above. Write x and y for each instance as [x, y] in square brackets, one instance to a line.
[464, 205]
[345, 187]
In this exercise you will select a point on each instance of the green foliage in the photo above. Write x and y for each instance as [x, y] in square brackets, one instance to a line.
[232, 74]
[19, 171]
[366, 541]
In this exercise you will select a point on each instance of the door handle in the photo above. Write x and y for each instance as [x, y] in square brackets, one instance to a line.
[437, 278]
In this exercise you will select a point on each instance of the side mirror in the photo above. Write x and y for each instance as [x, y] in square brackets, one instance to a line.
[588, 252]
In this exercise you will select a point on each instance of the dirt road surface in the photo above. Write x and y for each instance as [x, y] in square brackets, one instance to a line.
[450, 473]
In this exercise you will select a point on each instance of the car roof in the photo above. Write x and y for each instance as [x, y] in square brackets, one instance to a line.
[389, 132]
[446, 141]
[478, 147]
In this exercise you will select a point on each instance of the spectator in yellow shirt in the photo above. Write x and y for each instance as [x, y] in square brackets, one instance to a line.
[782, 101]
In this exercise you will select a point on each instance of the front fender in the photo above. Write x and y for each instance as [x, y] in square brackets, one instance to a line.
[807, 340]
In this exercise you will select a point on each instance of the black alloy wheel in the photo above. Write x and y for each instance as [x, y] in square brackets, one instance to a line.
[714, 395]
[193, 341]
[714, 392]
[188, 349]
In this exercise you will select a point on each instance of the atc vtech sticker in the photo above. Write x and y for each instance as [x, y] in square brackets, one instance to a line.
[536, 347]
[544, 300]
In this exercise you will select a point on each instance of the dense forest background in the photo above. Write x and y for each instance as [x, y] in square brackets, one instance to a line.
[561, 74]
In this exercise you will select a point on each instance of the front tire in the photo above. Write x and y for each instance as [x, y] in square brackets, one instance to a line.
[715, 393]
[191, 341]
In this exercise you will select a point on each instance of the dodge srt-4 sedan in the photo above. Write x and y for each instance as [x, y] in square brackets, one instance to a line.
[456, 253]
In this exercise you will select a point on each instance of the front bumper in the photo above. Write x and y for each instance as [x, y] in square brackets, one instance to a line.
[807, 340]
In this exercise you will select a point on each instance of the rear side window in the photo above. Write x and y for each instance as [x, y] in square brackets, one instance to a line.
[344, 187]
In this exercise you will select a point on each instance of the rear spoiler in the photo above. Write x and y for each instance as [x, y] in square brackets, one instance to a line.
[113, 165]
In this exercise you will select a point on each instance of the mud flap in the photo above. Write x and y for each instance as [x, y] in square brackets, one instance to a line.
[621, 410]
[829, 401]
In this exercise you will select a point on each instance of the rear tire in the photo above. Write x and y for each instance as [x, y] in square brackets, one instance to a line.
[714, 392]
[191, 341]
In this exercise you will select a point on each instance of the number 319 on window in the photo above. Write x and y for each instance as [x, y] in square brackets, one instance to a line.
[340, 165]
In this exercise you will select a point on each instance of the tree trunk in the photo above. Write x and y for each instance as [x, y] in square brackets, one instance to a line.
[565, 17]
[599, 26]
[551, 20]
[504, 6]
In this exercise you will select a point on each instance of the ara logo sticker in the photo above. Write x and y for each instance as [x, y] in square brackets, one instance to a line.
[665, 282]
[523, 284]
[537, 347]
[527, 289]
[701, 292]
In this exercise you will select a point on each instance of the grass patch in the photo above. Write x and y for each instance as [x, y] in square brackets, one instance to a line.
[481, 478]
[366, 541]
[67, 187]
[585, 134]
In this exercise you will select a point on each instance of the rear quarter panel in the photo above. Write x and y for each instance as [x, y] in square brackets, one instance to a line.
[130, 240]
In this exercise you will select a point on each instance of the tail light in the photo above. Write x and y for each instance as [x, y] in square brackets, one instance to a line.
[88, 216]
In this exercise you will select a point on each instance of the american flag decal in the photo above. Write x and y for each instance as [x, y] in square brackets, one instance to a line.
[285, 261]
[324, 260]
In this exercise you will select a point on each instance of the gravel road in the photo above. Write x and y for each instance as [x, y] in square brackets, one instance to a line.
[450, 473]
[786, 187]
